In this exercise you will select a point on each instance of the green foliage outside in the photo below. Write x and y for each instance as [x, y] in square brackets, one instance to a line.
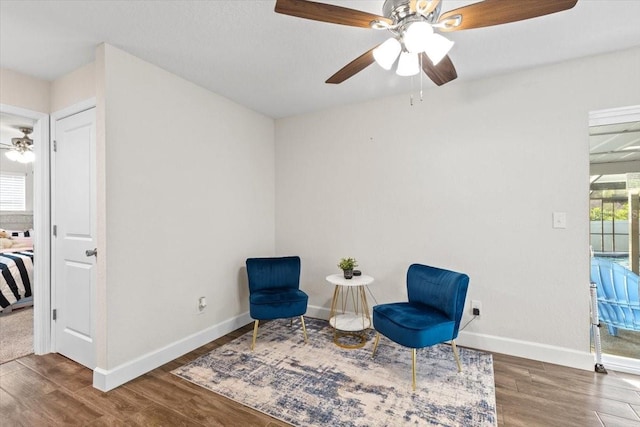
[608, 213]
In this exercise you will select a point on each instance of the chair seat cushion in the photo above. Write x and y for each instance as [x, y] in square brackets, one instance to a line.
[413, 325]
[277, 303]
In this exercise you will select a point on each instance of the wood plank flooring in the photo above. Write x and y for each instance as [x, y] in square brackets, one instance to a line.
[51, 390]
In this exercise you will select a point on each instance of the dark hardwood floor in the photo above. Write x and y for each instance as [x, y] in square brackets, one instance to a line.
[51, 390]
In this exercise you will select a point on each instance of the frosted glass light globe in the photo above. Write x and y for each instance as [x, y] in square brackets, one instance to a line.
[416, 37]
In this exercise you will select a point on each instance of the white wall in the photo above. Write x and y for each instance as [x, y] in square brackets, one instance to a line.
[74, 87]
[20, 90]
[467, 180]
[189, 181]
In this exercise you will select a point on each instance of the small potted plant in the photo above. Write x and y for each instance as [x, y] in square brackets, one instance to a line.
[347, 265]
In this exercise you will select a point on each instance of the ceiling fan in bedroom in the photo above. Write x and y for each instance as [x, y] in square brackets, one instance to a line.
[415, 27]
[21, 149]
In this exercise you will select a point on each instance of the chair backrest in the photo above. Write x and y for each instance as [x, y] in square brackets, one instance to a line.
[617, 291]
[444, 290]
[268, 273]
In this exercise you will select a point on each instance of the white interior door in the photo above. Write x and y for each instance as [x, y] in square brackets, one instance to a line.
[74, 223]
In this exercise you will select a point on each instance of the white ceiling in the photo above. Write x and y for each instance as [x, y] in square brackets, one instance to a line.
[277, 64]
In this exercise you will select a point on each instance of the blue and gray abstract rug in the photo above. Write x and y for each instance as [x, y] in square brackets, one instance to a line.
[321, 384]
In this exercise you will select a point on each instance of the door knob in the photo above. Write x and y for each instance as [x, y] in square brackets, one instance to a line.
[92, 252]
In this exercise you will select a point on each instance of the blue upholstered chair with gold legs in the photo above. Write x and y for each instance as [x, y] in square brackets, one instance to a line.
[274, 291]
[432, 314]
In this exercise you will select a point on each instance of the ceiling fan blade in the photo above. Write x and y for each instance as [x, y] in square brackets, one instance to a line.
[328, 13]
[442, 73]
[495, 12]
[430, 5]
[353, 67]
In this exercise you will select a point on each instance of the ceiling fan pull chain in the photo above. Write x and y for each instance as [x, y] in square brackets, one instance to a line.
[411, 93]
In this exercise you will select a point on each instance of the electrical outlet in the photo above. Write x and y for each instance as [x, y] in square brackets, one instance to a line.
[202, 304]
[476, 307]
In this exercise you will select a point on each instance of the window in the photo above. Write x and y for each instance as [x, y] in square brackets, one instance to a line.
[12, 191]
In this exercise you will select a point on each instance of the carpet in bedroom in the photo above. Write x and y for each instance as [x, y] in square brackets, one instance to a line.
[321, 384]
[16, 334]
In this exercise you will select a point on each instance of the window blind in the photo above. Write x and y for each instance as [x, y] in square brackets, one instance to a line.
[12, 191]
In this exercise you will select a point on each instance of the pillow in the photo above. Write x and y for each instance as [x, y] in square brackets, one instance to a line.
[24, 233]
[5, 243]
[22, 242]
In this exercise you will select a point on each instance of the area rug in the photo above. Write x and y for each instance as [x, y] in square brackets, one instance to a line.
[16, 334]
[321, 384]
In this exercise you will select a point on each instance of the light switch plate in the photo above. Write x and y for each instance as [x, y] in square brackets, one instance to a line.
[559, 220]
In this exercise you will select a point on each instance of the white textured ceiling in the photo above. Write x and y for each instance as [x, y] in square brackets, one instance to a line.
[277, 64]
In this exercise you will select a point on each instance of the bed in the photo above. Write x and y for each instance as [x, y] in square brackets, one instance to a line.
[16, 278]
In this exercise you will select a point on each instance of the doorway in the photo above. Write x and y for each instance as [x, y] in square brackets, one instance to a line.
[614, 141]
[16, 222]
[41, 225]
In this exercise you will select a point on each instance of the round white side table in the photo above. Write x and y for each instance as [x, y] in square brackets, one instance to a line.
[349, 309]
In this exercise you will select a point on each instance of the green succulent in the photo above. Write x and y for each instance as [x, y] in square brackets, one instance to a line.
[347, 263]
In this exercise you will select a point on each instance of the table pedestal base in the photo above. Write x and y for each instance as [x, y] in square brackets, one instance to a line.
[358, 339]
[350, 328]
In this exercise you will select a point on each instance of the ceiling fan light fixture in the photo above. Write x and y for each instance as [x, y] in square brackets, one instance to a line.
[408, 64]
[26, 157]
[400, 16]
[438, 47]
[387, 53]
[21, 150]
[416, 37]
[12, 155]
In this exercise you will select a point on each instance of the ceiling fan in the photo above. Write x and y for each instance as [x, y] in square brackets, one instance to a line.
[21, 149]
[415, 25]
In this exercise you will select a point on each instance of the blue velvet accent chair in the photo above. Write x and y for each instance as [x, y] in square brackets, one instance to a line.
[431, 316]
[274, 291]
[617, 291]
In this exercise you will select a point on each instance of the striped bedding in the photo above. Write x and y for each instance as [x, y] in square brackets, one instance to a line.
[16, 267]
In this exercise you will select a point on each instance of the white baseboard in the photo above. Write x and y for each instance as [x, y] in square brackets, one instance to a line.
[106, 380]
[318, 312]
[526, 349]
[621, 364]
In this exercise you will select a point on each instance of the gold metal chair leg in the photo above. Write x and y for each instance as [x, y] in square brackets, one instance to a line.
[413, 357]
[375, 344]
[255, 334]
[455, 354]
[304, 329]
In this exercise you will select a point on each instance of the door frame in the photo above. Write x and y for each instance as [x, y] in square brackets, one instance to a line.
[41, 227]
[55, 116]
[609, 117]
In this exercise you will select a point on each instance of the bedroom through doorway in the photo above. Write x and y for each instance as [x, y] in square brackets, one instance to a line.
[16, 236]
[38, 202]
